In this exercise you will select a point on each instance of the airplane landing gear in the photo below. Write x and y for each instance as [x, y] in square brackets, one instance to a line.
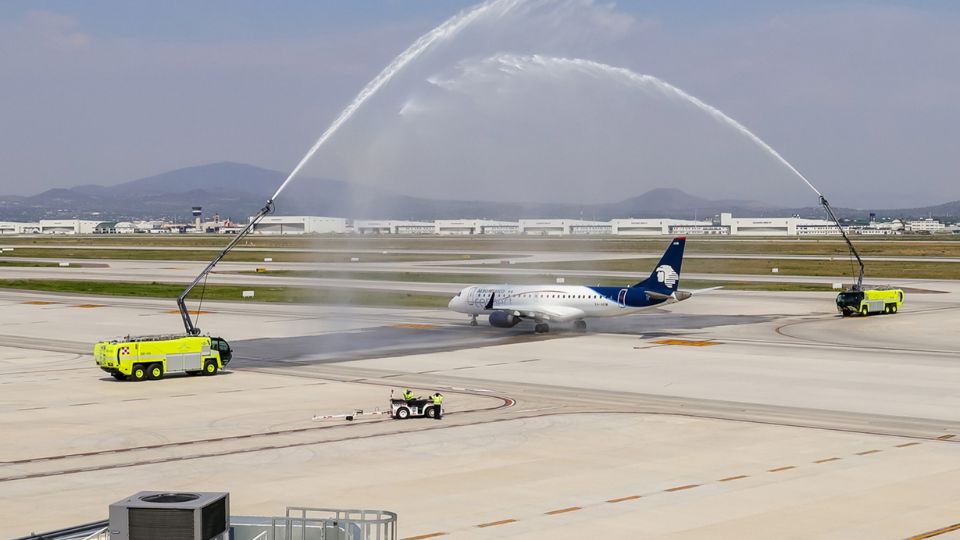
[473, 320]
[541, 328]
[580, 326]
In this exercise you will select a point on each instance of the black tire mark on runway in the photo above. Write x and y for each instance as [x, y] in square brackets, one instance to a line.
[781, 330]
[506, 402]
[301, 444]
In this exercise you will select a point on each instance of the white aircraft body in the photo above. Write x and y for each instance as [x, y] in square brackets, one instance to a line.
[508, 305]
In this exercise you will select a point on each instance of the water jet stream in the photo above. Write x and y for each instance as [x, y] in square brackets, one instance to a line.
[446, 30]
[517, 63]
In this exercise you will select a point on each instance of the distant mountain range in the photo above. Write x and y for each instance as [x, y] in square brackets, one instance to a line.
[236, 190]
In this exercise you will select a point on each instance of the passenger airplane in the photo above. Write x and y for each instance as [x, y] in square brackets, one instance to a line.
[507, 305]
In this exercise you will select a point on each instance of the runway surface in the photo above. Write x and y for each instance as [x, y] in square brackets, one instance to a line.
[734, 414]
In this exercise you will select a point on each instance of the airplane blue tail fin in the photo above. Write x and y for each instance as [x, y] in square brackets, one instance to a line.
[665, 278]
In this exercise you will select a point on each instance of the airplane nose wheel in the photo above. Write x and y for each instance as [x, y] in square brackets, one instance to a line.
[541, 328]
[473, 320]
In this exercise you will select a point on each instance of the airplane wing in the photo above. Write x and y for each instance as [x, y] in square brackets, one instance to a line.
[551, 313]
[702, 291]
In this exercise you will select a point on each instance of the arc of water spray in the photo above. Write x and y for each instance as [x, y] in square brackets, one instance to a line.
[446, 30]
[519, 62]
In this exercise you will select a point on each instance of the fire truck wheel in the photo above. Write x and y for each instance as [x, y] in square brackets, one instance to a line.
[139, 372]
[863, 311]
[155, 372]
[210, 368]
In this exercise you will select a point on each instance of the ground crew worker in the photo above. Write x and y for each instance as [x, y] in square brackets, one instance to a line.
[408, 396]
[437, 405]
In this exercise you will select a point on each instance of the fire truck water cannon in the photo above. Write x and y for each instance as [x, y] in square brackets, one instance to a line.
[181, 300]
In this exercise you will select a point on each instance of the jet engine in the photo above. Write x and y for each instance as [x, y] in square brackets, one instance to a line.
[501, 319]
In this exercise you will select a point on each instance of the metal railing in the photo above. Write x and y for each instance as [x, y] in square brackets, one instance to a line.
[102, 534]
[339, 524]
[301, 523]
[76, 532]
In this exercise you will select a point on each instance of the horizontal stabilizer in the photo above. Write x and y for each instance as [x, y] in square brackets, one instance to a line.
[656, 296]
[703, 291]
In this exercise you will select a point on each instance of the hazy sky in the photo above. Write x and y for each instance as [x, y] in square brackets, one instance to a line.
[860, 96]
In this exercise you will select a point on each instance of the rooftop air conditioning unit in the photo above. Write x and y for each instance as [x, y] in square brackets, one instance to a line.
[158, 515]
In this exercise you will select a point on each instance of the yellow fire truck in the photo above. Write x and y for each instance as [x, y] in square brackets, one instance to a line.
[869, 301]
[856, 299]
[152, 357]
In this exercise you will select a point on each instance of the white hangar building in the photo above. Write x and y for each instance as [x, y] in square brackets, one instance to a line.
[68, 226]
[639, 227]
[563, 227]
[367, 226]
[300, 225]
[475, 226]
[16, 227]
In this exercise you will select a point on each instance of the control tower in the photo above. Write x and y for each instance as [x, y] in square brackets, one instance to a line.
[197, 212]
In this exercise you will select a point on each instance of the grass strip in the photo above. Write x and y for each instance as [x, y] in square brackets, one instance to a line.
[300, 295]
[789, 267]
[161, 254]
[28, 264]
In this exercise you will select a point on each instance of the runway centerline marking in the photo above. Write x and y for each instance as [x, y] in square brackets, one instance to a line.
[563, 510]
[621, 499]
[904, 445]
[827, 460]
[687, 342]
[681, 488]
[868, 452]
[779, 469]
[936, 532]
[423, 536]
[732, 478]
[495, 523]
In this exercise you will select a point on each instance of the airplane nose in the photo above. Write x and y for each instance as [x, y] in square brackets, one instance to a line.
[457, 303]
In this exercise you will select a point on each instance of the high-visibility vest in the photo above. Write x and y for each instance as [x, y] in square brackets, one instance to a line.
[408, 396]
[437, 400]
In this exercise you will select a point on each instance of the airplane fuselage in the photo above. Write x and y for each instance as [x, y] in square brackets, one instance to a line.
[508, 305]
[569, 302]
